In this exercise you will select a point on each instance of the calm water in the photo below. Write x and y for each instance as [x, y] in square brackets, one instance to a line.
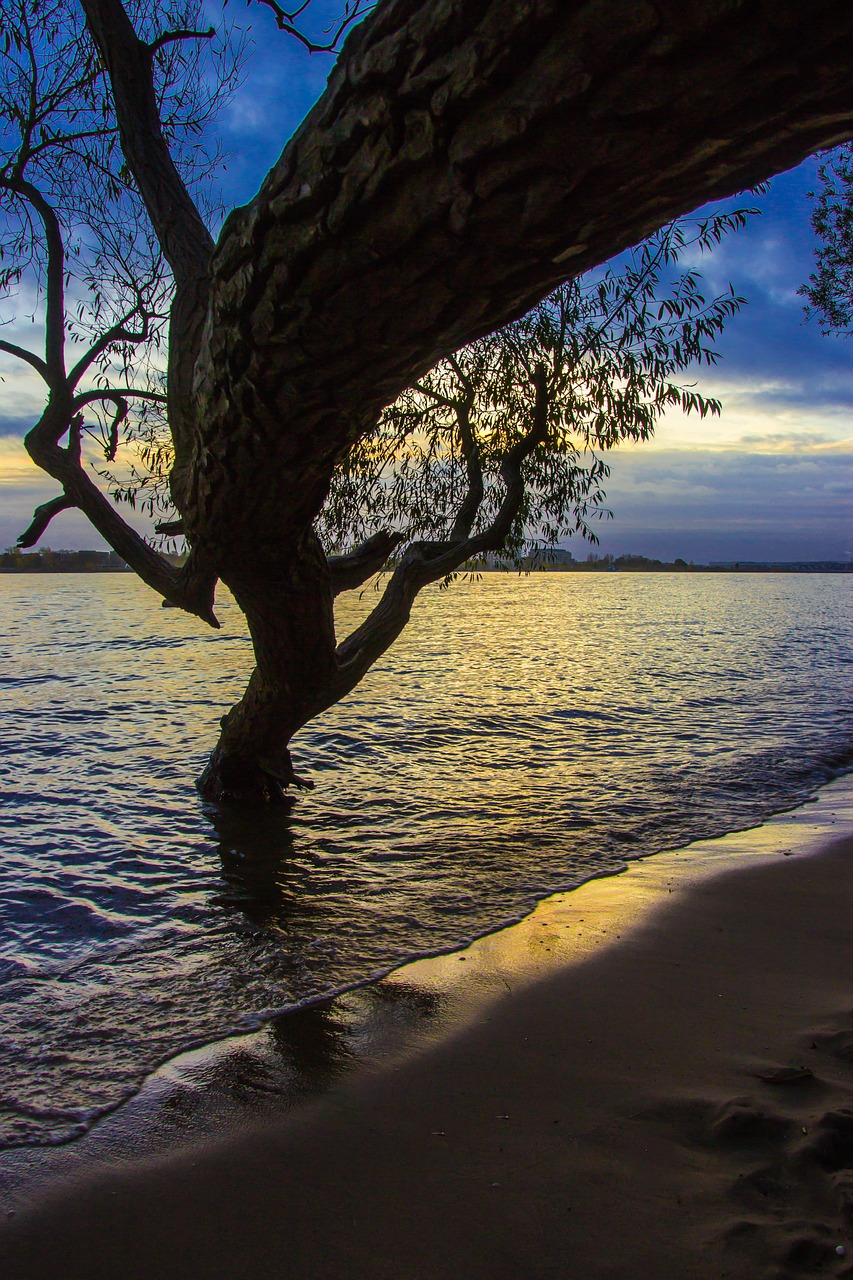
[525, 734]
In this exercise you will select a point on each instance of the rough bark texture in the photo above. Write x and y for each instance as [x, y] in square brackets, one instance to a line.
[293, 634]
[467, 156]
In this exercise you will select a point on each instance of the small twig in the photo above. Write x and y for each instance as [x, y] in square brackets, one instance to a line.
[286, 21]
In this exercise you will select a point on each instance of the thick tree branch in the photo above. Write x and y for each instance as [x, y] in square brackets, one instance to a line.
[114, 393]
[64, 140]
[41, 519]
[352, 570]
[30, 357]
[464, 522]
[54, 361]
[190, 588]
[172, 37]
[465, 159]
[180, 230]
[426, 562]
[185, 240]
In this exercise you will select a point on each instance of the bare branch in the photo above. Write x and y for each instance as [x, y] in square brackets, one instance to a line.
[171, 37]
[116, 333]
[55, 290]
[28, 124]
[286, 21]
[120, 398]
[350, 571]
[169, 528]
[130, 393]
[22, 354]
[436, 396]
[185, 240]
[41, 519]
[122, 409]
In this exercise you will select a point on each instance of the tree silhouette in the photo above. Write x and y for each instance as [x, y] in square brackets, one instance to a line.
[465, 160]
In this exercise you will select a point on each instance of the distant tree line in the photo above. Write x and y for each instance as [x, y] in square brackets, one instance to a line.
[46, 561]
[560, 561]
[14, 560]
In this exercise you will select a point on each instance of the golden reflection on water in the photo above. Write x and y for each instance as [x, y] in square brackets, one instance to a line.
[569, 928]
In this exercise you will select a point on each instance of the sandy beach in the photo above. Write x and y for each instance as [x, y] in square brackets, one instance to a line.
[674, 1100]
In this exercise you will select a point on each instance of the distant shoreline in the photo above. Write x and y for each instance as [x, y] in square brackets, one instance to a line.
[118, 568]
[122, 568]
[48, 561]
[557, 560]
[575, 567]
[580, 567]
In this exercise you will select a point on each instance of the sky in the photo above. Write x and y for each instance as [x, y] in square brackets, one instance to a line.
[770, 479]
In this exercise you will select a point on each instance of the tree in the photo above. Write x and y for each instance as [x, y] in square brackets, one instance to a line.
[76, 235]
[830, 288]
[516, 421]
[466, 159]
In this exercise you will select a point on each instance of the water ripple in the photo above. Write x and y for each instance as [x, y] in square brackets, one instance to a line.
[523, 735]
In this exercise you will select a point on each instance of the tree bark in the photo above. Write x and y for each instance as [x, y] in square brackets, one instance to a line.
[291, 623]
[465, 158]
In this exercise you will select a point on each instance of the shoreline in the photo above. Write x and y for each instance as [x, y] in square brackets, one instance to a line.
[232, 1083]
[670, 1087]
[827, 566]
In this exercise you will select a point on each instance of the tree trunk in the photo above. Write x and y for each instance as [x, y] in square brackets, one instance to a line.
[288, 606]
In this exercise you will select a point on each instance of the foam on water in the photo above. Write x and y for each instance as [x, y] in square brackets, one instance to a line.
[524, 734]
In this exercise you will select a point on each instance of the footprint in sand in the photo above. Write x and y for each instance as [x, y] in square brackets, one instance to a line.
[799, 1202]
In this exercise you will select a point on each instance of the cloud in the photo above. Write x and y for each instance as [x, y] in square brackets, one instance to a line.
[729, 504]
[16, 468]
[24, 487]
[799, 442]
[283, 83]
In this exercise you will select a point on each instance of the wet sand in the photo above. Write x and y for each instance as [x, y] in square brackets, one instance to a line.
[673, 1099]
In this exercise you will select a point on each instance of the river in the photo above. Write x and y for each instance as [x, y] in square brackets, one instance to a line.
[525, 734]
